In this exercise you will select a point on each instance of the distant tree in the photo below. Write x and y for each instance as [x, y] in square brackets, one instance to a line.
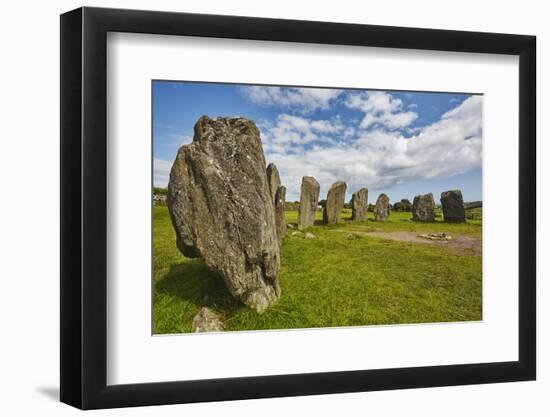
[160, 191]
[370, 208]
[473, 205]
[403, 205]
[323, 203]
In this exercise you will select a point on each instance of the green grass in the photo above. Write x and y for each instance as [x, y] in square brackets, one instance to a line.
[331, 280]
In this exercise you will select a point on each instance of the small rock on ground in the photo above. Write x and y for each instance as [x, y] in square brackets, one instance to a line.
[436, 236]
[207, 321]
[309, 236]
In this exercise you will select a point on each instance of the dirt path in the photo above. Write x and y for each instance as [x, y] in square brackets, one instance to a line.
[460, 244]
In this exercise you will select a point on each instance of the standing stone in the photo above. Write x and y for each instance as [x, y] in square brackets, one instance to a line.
[273, 180]
[222, 210]
[359, 205]
[382, 208]
[280, 223]
[309, 199]
[335, 203]
[453, 206]
[423, 208]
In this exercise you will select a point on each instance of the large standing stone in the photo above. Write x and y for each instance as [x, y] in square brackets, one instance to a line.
[309, 199]
[423, 208]
[360, 205]
[280, 223]
[382, 208]
[273, 179]
[453, 206]
[335, 203]
[222, 210]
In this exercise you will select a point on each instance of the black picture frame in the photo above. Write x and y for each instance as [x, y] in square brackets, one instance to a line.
[84, 207]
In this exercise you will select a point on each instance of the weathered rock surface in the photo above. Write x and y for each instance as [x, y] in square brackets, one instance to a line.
[273, 180]
[453, 206]
[360, 205]
[221, 208]
[280, 223]
[309, 236]
[423, 208]
[335, 203]
[382, 208]
[309, 199]
[207, 321]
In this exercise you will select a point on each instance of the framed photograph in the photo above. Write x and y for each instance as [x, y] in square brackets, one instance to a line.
[257, 208]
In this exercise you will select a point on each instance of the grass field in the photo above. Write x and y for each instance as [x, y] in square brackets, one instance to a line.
[346, 276]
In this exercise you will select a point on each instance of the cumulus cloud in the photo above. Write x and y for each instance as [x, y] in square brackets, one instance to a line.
[376, 146]
[161, 172]
[301, 100]
[292, 134]
[380, 158]
[381, 109]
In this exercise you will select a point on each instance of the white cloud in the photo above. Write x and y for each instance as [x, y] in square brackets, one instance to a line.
[381, 158]
[290, 134]
[302, 100]
[377, 158]
[182, 139]
[381, 109]
[161, 172]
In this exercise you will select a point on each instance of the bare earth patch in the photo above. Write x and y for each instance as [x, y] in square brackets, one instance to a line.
[459, 244]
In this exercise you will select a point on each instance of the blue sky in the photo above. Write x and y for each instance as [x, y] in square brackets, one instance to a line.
[400, 143]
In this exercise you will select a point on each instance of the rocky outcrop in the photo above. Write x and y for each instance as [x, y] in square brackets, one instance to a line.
[382, 208]
[360, 205]
[222, 209]
[335, 203]
[452, 205]
[280, 221]
[423, 208]
[309, 199]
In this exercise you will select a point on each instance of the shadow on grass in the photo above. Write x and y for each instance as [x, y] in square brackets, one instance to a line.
[193, 282]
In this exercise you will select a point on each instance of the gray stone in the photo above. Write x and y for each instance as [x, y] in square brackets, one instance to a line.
[360, 205]
[291, 226]
[273, 180]
[207, 321]
[309, 236]
[335, 203]
[280, 223]
[298, 234]
[382, 208]
[436, 236]
[423, 208]
[222, 210]
[309, 199]
[453, 206]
